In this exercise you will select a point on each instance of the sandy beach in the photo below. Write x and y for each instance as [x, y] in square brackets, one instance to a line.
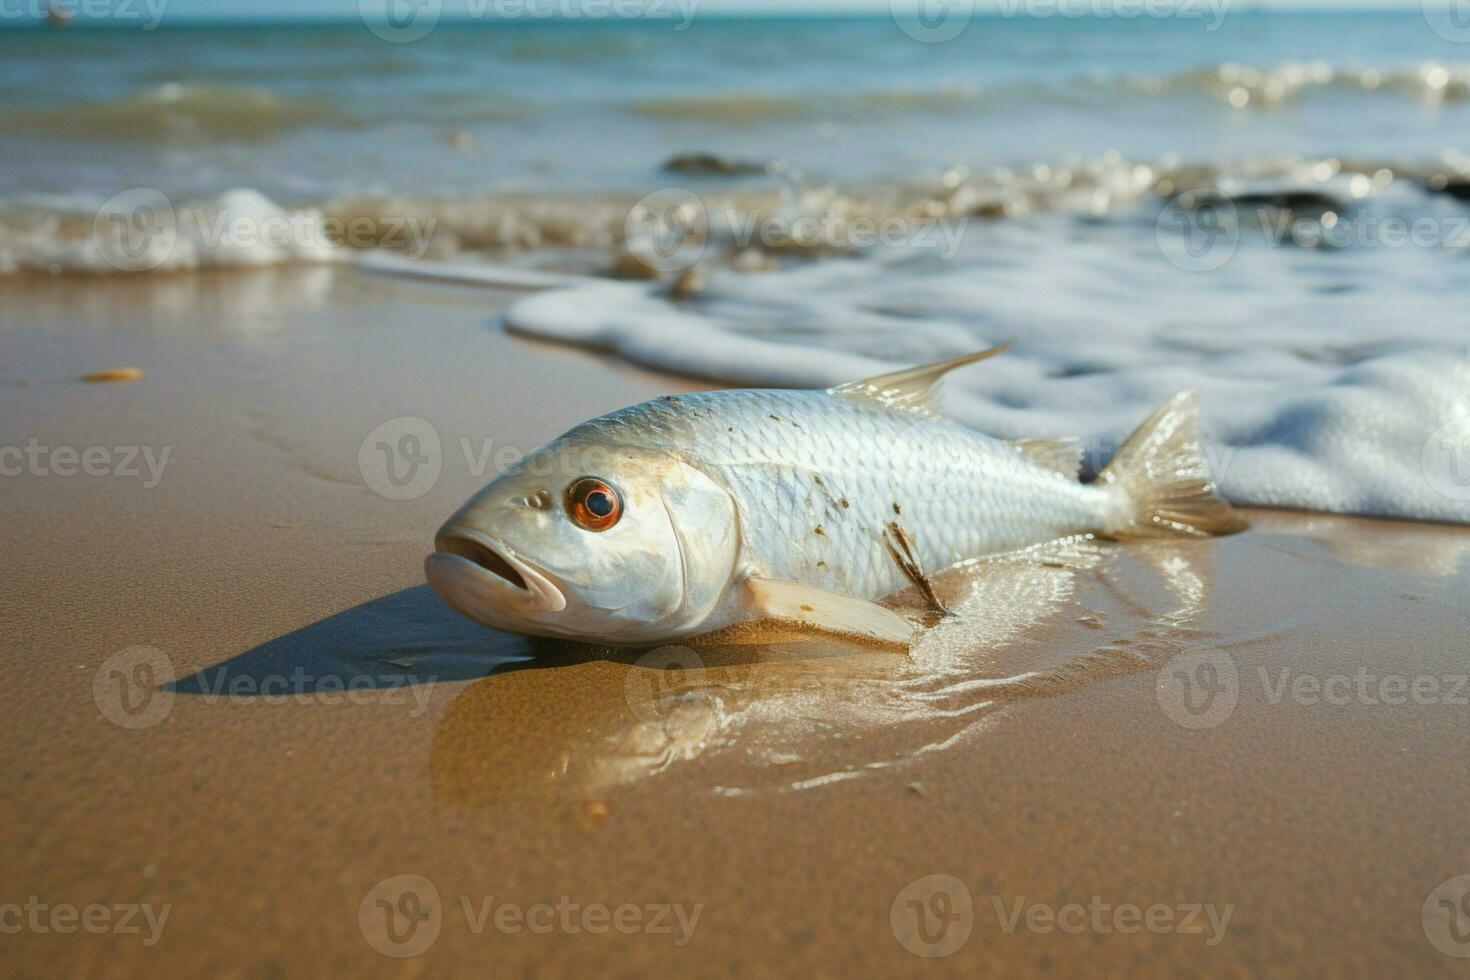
[232, 697]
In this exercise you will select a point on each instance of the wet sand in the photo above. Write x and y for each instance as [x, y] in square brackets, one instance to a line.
[1270, 727]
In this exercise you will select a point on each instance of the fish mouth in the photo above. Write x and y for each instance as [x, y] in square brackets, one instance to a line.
[480, 576]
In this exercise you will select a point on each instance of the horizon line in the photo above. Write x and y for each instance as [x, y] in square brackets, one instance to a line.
[985, 10]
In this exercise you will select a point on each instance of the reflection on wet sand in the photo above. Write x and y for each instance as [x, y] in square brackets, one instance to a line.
[1395, 546]
[786, 716]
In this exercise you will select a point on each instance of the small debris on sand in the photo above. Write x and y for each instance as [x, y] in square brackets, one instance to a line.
[115, 374]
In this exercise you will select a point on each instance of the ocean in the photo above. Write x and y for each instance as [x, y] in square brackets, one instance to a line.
[1269, 208]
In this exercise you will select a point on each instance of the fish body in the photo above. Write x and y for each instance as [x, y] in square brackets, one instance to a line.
[723, 507]
[817, 478]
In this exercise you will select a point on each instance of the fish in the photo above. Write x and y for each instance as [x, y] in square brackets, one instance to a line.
[695, 513]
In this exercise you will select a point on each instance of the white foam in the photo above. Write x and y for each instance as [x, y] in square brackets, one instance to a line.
[143, 231]
[477, 274]
[1327, 379]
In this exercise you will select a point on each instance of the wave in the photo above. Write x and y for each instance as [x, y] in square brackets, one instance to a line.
[588, 234]
[1243, 86]
[1329, 381]
[187, 112]
[176, 112]
[143, 232]
[1235, 85]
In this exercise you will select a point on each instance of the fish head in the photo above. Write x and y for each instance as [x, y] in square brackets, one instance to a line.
[590, 540]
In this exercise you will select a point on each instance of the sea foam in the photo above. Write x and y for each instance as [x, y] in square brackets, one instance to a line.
[1329, 380]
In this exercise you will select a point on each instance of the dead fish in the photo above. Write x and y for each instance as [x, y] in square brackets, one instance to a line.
[691, 513]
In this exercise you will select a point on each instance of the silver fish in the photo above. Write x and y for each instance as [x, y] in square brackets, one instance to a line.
[691, 513]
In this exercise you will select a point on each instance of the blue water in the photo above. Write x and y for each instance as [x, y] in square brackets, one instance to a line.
[306, 112]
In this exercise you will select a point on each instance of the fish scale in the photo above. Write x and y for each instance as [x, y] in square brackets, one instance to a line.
[790, 459]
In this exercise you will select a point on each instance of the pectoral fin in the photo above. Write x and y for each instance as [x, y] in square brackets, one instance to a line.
[829, 612]
[901, 549]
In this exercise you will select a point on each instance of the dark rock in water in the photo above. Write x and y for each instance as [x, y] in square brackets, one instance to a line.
[1456, 187]
[710, 165]
[1297, 202]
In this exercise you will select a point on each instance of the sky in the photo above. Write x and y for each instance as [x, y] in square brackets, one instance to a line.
[349, 9]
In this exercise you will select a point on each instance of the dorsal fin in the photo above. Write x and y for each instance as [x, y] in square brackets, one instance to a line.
[915, 389]
[1062, 455]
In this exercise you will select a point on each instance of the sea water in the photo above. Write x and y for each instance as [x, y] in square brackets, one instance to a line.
[1267, 208]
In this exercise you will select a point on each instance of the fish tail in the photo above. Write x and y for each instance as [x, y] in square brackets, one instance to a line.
[1161, 470]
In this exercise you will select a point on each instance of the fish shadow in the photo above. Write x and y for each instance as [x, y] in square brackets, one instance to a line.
[411, 637]
[404, 638]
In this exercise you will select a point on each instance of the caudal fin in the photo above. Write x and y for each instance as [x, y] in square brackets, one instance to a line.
[1162, 471]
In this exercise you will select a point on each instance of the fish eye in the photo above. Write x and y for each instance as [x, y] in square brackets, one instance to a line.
[593, 504]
